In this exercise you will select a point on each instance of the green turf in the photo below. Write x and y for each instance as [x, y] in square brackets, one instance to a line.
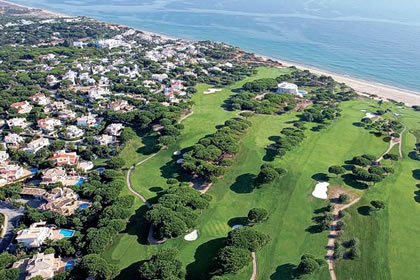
[288, 199]
[388, 239]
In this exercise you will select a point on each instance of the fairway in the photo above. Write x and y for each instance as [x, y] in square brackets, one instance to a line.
[288, 199]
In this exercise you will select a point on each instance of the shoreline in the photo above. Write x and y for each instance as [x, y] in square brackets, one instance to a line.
[364, 88]
[46, 12]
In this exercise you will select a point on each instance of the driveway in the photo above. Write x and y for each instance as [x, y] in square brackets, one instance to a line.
[12, 215]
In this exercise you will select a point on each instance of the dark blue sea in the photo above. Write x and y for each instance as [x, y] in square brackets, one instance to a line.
[376, 40]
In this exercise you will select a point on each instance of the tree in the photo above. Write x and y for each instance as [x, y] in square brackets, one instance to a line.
[267, 174]
[94, 265]
[308, 265]
[127, 134]
[257, 215]
[361, 161]
[391, 157]
[6, 260]
[378, 205]
[343, 198]
[116, 163]
[337, 170]
[231, 259]
[163, 265]
[247, 238]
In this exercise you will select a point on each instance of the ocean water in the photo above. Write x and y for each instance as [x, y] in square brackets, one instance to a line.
[376, 40]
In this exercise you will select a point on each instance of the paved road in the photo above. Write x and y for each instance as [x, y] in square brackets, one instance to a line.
[12, 215]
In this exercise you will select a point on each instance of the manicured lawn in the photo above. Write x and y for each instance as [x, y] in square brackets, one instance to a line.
[288, 199]
[388, 245]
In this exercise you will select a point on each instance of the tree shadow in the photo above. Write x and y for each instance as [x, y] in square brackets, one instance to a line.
[358, 124]
[364, 210]
[150, 144]
[416, 174]
[314, 229]
[171, 169]
[274, 138]
[156, 189]
[238, 221]
[284, 272]
[203, 263]
[138, 226]
[321, 177]
[321, 210]
[130, 272]
[270, 155]
[413, 155]
[348, 167]
[244, 183]
[351, 181]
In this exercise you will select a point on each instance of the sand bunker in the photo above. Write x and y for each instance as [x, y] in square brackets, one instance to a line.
[321, 190]
[370, 115]
[363, 110]
[212, 90]
[191, 236]
[177, 153]
[237, 226]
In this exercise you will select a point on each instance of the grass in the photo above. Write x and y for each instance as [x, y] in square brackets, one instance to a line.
[389, 249]
[288, 199]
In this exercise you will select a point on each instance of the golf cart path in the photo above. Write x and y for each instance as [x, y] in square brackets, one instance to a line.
[400, 142]
[332, 235]
[150, 237]
[254, 266]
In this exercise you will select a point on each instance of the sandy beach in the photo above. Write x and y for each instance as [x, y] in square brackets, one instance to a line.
[38, 11]
[362, 87]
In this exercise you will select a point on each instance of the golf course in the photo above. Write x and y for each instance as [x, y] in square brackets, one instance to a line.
[386, 239]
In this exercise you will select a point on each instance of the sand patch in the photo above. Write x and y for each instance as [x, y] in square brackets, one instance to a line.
[370, 115]
[237, 226]
[191, 236]
[177, 153]
[212, 90]
[321, 190]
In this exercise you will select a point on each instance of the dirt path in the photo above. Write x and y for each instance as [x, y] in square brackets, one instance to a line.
[333, 234]
[254, 266]
[400, 142]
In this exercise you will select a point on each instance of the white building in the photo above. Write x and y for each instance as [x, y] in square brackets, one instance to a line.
[13, 139]
[73, 131]
[17, 122]
[109, 43]
[97, 93]
[114, 129]
[87, 121]
[3, 156]
[34, 236]
[35, 145]
[105, 140]
[286, 87]
[22, 107]
[159, 77]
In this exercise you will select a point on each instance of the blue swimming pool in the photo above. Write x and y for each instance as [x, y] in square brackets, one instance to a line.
[80, 182]
[100, 169]
[84, 206]
[69, 265]
[34, 170]
[67, 232]
[303, 92]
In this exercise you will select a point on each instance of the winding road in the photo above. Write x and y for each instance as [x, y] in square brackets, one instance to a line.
[12, 216]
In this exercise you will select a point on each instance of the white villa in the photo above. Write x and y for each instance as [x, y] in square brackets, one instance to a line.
[35, 235]
[3, 156]
[73, 131]
[40, 264]
[87, 120]
[286, 87]
[114, 129]
[22, 107]
[35, 145]
[13, 139]
[17, 122]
